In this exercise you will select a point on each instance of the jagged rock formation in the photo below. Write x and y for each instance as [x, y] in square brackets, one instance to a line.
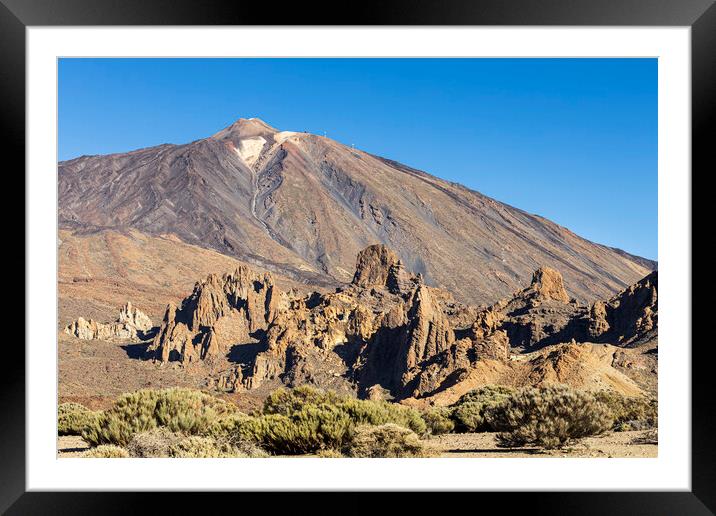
[131, 324]
[303, 206]
[543, 314]
[220, 312]
[389, 334]
[630, 317]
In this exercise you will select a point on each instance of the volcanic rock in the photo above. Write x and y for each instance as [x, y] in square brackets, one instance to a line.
[131, 325]
[371, 337]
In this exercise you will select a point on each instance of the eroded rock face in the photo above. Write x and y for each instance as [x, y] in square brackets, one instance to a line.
[630, 317]
[387, 332]
[131, 325]
[221, 312]
[134, 317]
[547, 285]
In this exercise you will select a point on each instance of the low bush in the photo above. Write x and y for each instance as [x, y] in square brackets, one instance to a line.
[550, 417]
[106, 451]
[73, 418]
[439, 420]
[383, 412]
[387, 440]
[308, 420]
[153, 443]
[308, 430]
[162, 442]
[197, 446]
[478, 410]
[630, 413]
[179, 410]
[288, 401]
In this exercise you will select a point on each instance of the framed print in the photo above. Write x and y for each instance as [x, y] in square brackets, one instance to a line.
[419, 251]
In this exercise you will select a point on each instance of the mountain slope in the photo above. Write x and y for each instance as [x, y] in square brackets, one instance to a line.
[303, 206]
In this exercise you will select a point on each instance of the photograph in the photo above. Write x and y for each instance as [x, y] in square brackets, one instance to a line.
[391, 257]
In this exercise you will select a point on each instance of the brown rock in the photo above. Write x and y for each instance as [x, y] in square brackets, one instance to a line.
[547, 284]
[374, 265]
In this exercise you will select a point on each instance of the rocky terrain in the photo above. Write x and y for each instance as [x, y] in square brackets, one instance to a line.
[131, 325]
[300, 206]
[388, 334]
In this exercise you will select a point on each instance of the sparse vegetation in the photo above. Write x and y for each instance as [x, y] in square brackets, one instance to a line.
[106, 451]
[289, 401]
[438, 420]
[197, 446]
[478, 410]
[162, 442]
[307, 420]
[308, 430]
[179, 410]
[630, 412]
[156, 442]
[551, 417]
[73, 418]
[387, 440]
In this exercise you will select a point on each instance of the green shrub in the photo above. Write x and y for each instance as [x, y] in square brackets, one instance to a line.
[385, 441]
[73, 418]
[106, 451]
[630, 413]
[382, 412]
[179, 410]
[478, 410]
[486, 393]
[550, 417]
[439, 420]
[308, 430]
[189, 411]
[288, 401]
[308, 420]
[225, 426]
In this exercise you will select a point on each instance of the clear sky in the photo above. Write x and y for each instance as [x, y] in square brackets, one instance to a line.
[573, 140]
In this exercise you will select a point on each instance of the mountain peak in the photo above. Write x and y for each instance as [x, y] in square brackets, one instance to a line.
[245, 128]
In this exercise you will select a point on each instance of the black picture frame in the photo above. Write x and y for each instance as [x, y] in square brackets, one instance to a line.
[17, 15]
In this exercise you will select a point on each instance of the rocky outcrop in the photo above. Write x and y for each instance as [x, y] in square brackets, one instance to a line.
[378, 266]
[132, 316]
[387, 332]
[541, 314]
[131, 325]
[222, 312]
[630, 317]
[547, 285]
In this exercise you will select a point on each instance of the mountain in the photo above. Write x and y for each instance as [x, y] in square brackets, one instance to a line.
[303, 206]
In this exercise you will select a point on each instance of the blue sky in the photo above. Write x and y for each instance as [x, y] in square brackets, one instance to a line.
[573, 140]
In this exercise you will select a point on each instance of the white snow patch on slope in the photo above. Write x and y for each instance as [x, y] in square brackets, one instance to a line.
[249, 149]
